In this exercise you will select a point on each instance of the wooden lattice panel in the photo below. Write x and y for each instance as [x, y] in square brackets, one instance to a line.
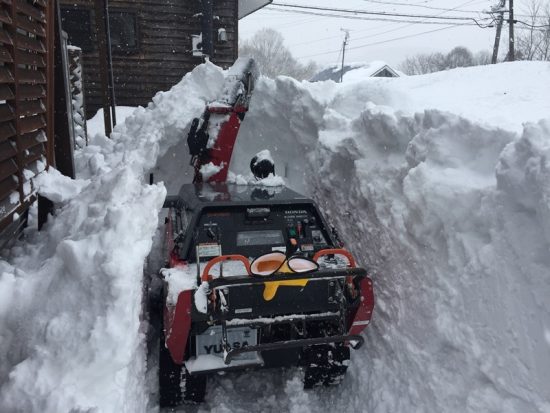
[23, 101]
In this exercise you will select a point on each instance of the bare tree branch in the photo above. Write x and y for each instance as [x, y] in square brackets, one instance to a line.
[272, 56]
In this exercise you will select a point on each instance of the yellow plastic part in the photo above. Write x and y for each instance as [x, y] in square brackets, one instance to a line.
[271, 287]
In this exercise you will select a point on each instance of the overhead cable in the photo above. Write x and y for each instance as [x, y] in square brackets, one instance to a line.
[378, 13]
[382, 41]
[383, 19]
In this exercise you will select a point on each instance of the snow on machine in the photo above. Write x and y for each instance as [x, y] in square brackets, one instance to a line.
[255, 276]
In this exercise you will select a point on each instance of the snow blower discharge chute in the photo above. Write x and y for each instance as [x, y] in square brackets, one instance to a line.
[255, 276]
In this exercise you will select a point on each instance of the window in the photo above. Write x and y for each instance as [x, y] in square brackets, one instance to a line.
[78, 25]
[124, 33]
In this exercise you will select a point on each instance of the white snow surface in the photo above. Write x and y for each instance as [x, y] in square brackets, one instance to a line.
[71, 336]
[438, 183]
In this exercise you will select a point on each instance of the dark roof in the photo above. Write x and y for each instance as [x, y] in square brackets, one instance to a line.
[198, 196]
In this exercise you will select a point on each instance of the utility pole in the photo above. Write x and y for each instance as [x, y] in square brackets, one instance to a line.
[346, 38]
[511, 49]
[500, 20]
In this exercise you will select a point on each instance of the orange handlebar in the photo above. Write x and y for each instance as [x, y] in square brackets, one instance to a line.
[206, 272]
[335, 251]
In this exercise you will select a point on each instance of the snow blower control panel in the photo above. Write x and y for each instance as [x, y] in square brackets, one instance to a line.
[256, 230]
[294, 297]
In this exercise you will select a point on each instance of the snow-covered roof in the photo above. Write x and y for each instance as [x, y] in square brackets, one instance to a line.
[362, 69]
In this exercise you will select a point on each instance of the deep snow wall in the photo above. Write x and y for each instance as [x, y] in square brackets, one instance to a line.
[448, 209]
[452, 215]
[72, 337]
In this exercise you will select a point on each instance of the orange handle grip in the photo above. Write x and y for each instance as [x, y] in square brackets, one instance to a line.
[206, 272]
[335, 251]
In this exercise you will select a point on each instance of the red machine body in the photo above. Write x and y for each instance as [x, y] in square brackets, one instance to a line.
[311, 320]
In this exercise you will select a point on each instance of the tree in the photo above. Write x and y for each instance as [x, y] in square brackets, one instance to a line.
[459, 57]
[272, 56]
[435, 62]
[533, 41]
[482, 58]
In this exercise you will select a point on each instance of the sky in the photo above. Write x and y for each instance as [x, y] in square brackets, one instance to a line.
[320, 38]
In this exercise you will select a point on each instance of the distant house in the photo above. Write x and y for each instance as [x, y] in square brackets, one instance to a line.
[154, 42]
[372, 69]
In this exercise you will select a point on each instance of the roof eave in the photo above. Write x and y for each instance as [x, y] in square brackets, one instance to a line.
[254, 9]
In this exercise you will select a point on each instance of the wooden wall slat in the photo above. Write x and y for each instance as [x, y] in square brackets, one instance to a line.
[6, 151]
[7, 130]
[32, 123]
[31, 107]
[25, 42]
[5, 55]
[5, 38]
[31, 91]
[31, 59]
[31, 76]
[30, 26]
[31, 11]
[5, 17]
[33, 154]
[8, 185]
[6, 112]
[7, 168]
[5, 92]
[31, 139]
[6, 76]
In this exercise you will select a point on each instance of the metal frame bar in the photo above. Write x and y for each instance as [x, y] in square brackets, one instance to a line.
[295, 343]
[317, 275]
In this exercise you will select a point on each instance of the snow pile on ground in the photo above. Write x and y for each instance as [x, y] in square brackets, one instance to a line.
[71, 295]
[503, 95]
[433, 181]
[452, 214]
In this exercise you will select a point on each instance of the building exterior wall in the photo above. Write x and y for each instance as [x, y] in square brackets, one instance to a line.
[26, 126]
[162, 51]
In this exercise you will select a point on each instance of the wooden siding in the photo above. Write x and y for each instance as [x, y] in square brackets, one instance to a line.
[25, 110]
[164, 54]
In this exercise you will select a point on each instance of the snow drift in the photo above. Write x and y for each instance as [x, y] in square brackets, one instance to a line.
[433, 182]
[71, 295]
[451, 213]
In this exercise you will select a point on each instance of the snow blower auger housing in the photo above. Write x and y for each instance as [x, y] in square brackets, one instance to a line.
[255, 279]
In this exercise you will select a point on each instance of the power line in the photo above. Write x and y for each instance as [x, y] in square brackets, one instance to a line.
[381, 42]
[419, 5]
[406, 22]
[382, 19]
[375, 13]
[338, 36]
[532, 26]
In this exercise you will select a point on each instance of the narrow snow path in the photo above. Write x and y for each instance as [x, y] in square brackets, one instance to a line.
[449, 211]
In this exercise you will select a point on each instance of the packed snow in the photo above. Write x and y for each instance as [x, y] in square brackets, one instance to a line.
[440, 184]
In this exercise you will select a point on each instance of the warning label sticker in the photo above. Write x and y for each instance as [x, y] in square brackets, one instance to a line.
[209, 250]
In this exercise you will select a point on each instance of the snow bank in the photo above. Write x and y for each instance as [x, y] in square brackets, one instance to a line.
[436, 184]
[71, 295]
[433, 181]
[504, 95]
